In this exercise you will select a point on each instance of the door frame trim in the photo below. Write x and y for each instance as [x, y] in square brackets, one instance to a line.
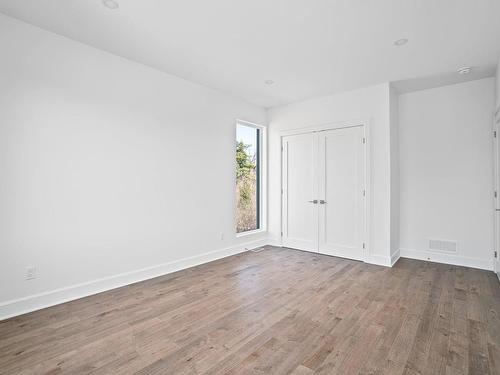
[496, 187]
[365, 123]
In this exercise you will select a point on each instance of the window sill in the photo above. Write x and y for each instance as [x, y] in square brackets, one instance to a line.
[250, 232]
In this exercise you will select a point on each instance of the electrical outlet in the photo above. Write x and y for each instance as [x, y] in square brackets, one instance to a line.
[30, 273]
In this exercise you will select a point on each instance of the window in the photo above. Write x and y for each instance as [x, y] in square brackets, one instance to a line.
[248, 179]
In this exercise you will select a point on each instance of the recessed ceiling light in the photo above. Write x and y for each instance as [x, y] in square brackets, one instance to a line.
[464, 70]
[111, 4]
[269, 82]
[401, 42]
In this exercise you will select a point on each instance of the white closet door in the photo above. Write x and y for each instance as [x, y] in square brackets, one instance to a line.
[300, 213]
[341, 186]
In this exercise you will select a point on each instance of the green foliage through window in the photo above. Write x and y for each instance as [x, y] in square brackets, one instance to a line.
[247, 199]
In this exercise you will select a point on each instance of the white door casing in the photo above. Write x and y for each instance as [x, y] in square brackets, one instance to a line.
[496, 205]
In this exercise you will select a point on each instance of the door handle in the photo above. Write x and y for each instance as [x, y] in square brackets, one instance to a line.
[321, 201]
[315, 201]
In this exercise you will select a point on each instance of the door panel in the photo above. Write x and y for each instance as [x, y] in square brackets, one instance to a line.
[341, 186]
[300, 216]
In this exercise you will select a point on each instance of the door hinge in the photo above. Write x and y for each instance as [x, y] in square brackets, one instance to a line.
[364, 140]
[495, 253]
[494, 133]
[364, 245]
[495, 194]
[281, 148]
[364, 193]
[281, 234]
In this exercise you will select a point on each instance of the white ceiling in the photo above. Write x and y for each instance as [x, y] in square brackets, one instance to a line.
[308, 47]
[443, 79]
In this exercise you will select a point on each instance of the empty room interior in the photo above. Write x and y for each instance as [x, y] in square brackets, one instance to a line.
[250, 187]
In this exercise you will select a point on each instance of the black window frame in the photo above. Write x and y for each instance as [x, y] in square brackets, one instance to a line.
[258, 171]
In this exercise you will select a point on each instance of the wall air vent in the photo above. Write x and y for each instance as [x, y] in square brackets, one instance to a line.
[443, 246]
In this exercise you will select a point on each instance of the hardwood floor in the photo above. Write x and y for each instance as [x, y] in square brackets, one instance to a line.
[278, 311]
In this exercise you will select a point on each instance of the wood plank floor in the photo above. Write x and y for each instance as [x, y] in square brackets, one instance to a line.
[278, 311]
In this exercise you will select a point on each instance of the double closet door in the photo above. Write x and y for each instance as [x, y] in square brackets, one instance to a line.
[323, 192]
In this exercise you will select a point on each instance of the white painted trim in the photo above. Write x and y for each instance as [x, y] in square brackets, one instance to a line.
[368, 186]
[395, 257]
[275, 241]
[250, 233]
[324, 126]
[251, 124]
[47, 299]
[378, 260]
[453, 259]
[55, 297]
[496, 185]
[365, 123]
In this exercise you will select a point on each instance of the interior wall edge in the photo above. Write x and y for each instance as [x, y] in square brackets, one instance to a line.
[43, 300]
[395, 257]
[378, 260]
[274, 241]
[452, 259]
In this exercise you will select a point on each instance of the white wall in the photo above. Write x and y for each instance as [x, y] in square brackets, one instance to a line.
[497, 107]
[446, 167]
[107, 167]
[370, 103]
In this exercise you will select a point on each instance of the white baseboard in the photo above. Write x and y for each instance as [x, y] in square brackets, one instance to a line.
[453, 259]
[39, 301]
[395, 257]
[379, 260]
[275, 242]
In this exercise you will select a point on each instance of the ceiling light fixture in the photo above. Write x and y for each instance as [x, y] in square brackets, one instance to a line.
[111, 4]
[269, 82]
[464, 70]
[401, 42]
